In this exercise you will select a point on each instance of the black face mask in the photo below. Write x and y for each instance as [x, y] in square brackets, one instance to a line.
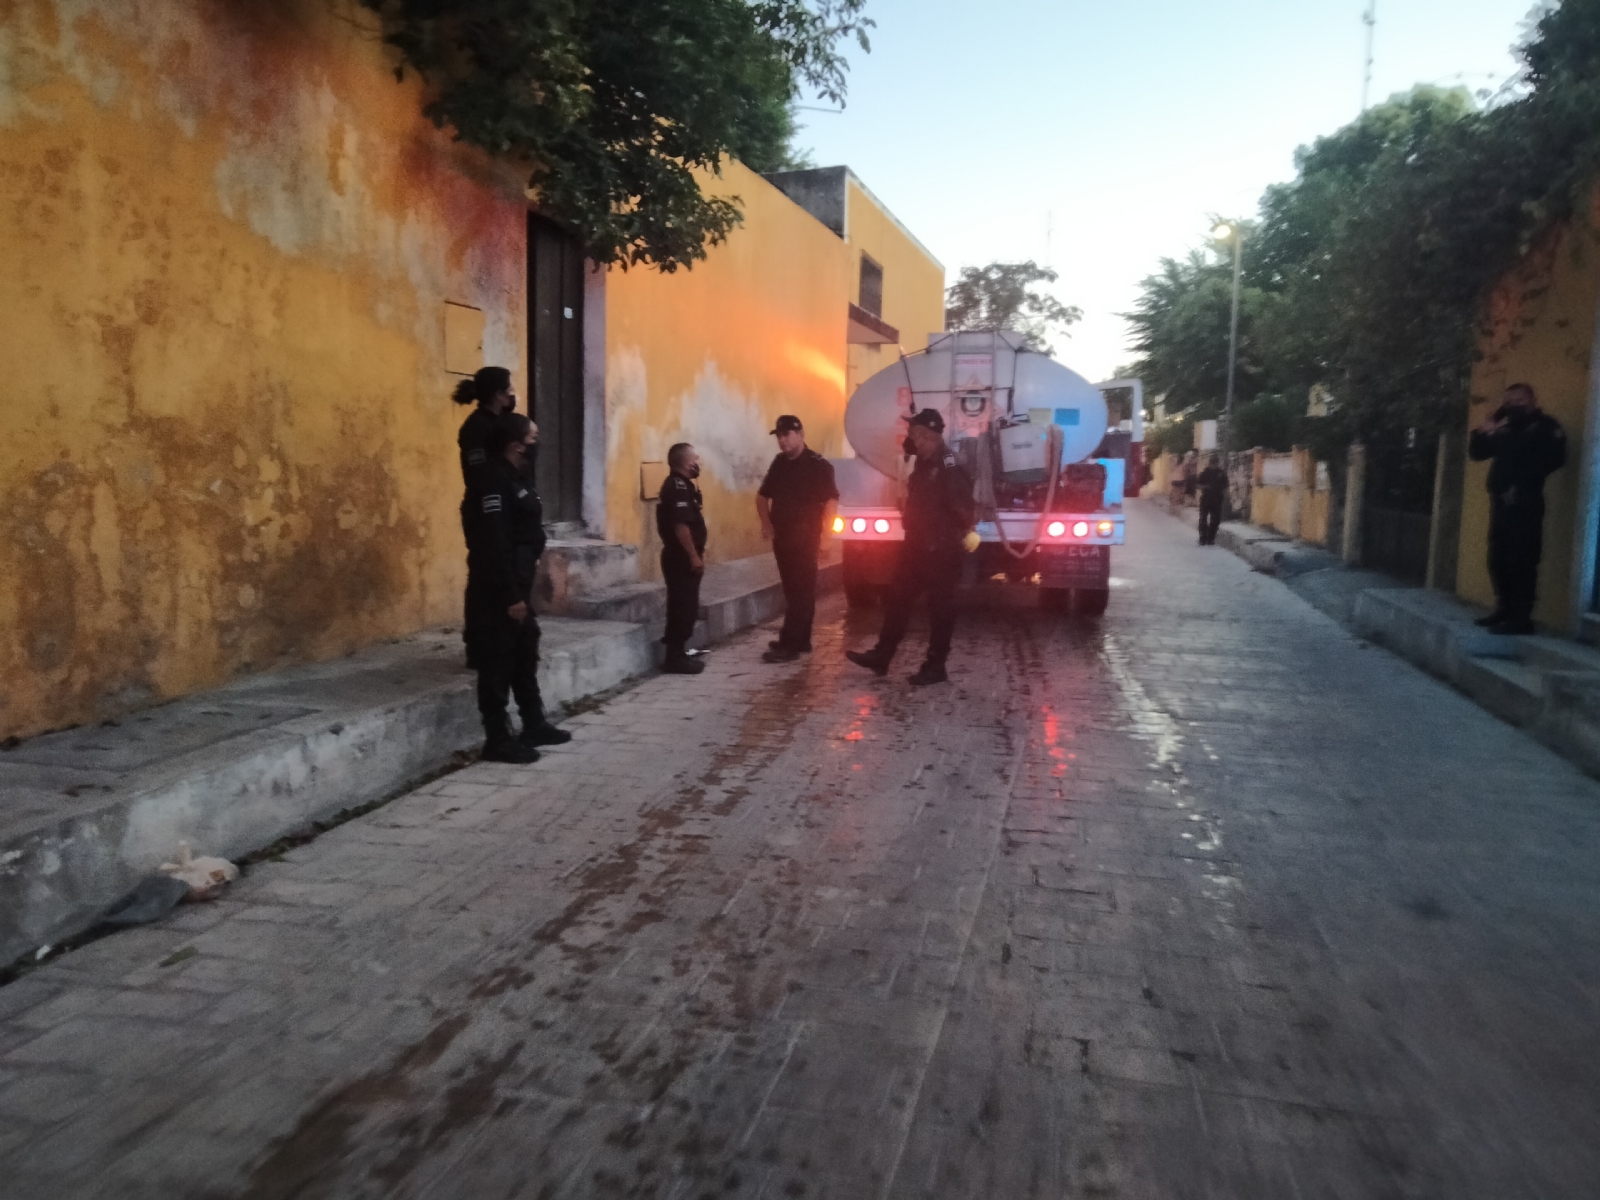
[908, 445]
[694, 471]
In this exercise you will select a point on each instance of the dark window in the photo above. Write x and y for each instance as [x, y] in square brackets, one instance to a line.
[871, 286]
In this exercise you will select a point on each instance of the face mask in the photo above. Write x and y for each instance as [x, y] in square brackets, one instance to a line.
[694, 471]
[908, 445]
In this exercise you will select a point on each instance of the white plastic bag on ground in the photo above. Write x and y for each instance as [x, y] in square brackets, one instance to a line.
[205, 876]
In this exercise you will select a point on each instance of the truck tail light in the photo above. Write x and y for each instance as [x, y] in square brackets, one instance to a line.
[1080, 529]
[838, 524]
[859, 525]
[1056, 528]
[880, 526]
[1105, 529]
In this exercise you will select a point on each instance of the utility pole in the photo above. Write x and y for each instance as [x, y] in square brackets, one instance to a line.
[1370, 20]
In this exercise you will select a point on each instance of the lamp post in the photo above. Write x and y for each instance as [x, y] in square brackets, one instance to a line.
[1230, 232]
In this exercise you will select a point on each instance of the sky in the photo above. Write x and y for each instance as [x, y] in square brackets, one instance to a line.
[1097, 138]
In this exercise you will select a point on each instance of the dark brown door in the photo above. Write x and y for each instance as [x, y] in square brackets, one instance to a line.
[555, 365]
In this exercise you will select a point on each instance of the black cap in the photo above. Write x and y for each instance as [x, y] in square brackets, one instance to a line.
[928, 418]
[788, 424]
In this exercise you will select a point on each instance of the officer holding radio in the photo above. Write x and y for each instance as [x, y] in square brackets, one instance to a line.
[939, 518]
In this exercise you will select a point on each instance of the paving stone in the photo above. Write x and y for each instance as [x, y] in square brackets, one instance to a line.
[1200, 899]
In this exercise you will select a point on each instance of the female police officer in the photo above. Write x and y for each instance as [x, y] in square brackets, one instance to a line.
[505, 536]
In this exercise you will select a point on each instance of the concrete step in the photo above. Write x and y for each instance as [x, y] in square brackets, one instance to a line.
[574, 568]
[1510, 690]
[644, 603]
[1555, 654]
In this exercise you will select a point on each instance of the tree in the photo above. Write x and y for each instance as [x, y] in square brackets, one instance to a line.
[612, 105]
[1002, 296]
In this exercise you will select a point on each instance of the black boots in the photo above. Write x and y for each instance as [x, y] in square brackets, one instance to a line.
[679, 663]
[509, 750]
[873, 660]
[928, 673]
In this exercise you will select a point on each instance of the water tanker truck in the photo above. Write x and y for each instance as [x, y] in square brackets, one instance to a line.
[1027, 430]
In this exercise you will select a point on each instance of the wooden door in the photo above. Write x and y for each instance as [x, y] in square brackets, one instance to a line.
[555, 365]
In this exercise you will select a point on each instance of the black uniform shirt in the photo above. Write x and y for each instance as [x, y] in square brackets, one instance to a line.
[939, 507]
[473, 440]
[505, 532]
[1213, 482]
[799, 488]
[679, 504]
[1530, 447]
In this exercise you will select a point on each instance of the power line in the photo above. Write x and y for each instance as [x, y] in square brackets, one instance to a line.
[1370, 20]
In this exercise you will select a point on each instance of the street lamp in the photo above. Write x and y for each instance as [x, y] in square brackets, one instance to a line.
[1229, 232]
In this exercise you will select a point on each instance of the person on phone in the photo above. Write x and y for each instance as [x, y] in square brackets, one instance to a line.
[682, 527]
[505, 537]
[1523, 445]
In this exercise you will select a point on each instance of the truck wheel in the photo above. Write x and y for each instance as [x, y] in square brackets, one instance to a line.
[1056, 600]
[1091, 602]
[860, 595]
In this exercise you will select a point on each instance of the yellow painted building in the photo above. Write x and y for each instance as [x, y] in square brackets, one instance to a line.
[242, 275]
[1542, 331]
[772, 322]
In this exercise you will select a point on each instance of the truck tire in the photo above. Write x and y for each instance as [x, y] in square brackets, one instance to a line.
[1056, 600]
[859, 595]
[1090, 602]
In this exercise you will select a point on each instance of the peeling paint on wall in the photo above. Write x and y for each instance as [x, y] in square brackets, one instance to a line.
[229, 237]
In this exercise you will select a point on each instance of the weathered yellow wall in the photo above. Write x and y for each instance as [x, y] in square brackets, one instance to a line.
[228, 238]
[913, 282]
[712, 355]
[1541, 332]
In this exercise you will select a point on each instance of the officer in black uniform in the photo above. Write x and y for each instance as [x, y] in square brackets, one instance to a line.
[1213, 485]
[1525, 445]
[490, 389]
[792, 504]
[505, 536]
[683, 545]
[939, 517]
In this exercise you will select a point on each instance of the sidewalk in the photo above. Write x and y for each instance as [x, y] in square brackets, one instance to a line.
[89, 811]
[1549, 686]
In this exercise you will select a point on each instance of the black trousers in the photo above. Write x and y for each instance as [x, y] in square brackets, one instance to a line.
[933, 573]
[1516, 542]
[796, 548]
[507, 656]
[683, 598]
[1210, 518]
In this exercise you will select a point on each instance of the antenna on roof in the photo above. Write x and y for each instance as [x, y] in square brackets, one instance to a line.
[1370, 20]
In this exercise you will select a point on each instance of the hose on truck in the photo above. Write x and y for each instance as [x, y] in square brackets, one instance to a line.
[1054, 443]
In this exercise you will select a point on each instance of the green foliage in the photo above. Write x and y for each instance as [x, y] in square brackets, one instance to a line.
[1368, 272]
[612, 104]
[1002, 296]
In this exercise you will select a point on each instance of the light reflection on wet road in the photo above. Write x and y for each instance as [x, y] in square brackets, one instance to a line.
[1203, 899]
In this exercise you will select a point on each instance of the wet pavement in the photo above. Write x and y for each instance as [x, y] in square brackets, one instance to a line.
[1202, 899]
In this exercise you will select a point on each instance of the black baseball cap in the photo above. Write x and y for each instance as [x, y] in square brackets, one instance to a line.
[929, 418]
[788, 424]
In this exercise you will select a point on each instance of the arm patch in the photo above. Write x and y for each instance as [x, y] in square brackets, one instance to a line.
[491, 502]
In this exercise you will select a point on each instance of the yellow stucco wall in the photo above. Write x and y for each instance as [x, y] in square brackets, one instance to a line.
[228, 239]
[913, 282]
[1541, 332]
[712, 355]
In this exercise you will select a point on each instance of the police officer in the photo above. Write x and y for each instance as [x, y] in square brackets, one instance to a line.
[490, 389]
[1213, 485]
[939, 516]
[793, 503]
[505, 536]
[683, 545]
[1525, 445]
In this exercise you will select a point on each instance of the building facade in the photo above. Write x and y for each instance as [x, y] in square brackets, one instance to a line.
[243, 274]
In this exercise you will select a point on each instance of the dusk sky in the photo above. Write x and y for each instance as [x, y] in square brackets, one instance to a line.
[1100, 137]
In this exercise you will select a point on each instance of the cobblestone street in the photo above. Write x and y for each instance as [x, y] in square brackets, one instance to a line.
[1203, 899]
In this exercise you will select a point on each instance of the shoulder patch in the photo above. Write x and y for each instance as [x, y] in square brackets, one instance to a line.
[491, 502]
[475, 458]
